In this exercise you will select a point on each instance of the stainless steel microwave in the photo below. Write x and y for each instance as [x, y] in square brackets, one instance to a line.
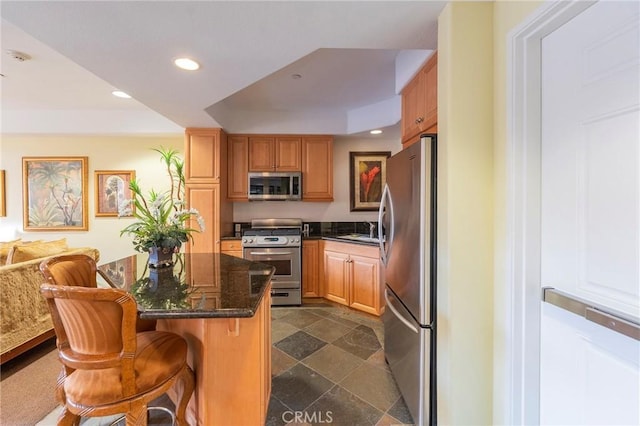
[275, 186]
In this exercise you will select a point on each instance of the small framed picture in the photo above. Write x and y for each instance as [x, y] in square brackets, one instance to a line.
[54, 193]
[112, 190]
[368, 175]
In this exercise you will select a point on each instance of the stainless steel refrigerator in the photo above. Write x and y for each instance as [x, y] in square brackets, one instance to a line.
[407, 221]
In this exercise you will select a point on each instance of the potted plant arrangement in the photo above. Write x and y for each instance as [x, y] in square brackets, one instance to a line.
[163, 223]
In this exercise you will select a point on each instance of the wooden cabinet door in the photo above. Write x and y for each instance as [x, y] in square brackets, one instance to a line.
[206, 199]
[365, 284]
[411, 97]
[231, 247]
[336, 277]
[238, 168]
[288, 154]
[420, 103]
[203, 149]
[430, 87]
[317, 168]
[265, 353]
[310, 268]
[262, 154]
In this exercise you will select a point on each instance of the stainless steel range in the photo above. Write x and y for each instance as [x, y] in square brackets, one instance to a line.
[278, 242]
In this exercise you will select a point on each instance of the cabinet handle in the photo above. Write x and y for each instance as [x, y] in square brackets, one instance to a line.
[419, 120]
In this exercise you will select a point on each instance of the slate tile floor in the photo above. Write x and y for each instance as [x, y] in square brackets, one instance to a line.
[328, 367]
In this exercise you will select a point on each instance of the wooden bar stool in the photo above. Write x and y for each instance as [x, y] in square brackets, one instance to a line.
[109, 367]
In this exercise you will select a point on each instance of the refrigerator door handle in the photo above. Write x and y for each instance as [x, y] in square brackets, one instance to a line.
[397, 314]
[385, 241]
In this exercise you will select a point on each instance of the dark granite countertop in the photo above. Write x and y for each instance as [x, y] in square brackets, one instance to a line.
[346, 240]
[199, 285]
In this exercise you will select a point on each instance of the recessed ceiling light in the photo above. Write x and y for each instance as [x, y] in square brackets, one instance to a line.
[120, 94]
[187, 64]
[375, 132]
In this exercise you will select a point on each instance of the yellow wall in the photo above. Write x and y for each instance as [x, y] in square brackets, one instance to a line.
[104, 153]
[472, 123]
[465, 213]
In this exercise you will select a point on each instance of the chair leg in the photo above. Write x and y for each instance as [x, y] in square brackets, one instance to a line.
[137, 414]
[184, 388]
[67, 418]
[59, 392]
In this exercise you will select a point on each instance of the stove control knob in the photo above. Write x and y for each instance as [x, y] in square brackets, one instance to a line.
[295, 240]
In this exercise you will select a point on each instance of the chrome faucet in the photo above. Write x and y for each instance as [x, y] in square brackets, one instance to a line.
[372, 229]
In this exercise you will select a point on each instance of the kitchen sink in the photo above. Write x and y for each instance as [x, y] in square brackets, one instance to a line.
[359, 237]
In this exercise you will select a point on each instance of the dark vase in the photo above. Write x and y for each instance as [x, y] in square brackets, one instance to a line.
[160, 257]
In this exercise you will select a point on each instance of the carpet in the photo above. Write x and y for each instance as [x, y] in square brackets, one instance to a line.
[27, 386]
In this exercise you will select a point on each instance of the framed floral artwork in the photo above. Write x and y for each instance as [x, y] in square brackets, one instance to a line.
[54, 193]
[368, 175]
[112, 190]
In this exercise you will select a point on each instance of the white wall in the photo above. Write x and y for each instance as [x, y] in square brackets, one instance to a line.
[338, 210]
[104, 153]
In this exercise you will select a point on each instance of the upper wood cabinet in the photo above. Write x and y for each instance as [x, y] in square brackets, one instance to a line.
[238, 164]
[274, 154]
[312, 155]
[205, 155]
[420, 103]
[317, 168]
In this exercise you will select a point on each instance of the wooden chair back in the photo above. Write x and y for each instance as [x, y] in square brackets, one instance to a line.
[96, 329]
[71, 269]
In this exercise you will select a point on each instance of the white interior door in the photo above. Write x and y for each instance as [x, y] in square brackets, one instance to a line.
[590, 214]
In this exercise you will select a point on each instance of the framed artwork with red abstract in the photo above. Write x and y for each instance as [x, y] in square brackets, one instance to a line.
[368, 175]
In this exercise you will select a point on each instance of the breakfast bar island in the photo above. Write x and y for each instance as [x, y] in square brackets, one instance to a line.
[222, 306]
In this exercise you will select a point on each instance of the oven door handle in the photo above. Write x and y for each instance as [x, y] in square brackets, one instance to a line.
[269, 253]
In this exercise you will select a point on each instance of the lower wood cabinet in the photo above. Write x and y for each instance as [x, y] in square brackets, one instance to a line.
[231, 358]
[231, 247]
[352, 276]
[311, 268]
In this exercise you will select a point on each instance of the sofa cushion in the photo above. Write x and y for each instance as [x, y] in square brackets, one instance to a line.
[5, 247]
[22, 253]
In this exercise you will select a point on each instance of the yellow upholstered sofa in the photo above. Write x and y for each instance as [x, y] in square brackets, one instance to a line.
[24, 316]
